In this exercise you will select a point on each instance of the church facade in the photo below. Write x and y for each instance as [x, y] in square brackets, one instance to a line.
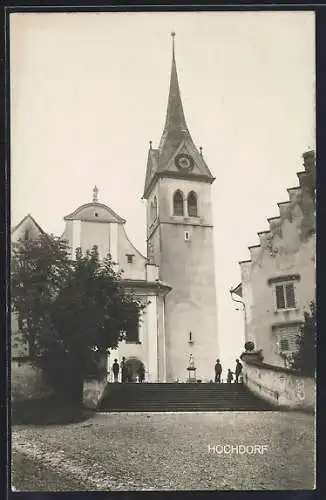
[176, 280]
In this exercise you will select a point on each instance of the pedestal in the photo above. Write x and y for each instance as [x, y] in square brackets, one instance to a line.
[192, 374]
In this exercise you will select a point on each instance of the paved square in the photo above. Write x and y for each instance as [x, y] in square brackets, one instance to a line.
[128, 451]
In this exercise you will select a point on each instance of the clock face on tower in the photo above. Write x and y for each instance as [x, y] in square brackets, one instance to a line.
[184, 162]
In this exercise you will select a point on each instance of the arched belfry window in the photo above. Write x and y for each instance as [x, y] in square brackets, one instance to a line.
[26, 235]
[178, 203]
[192, 204]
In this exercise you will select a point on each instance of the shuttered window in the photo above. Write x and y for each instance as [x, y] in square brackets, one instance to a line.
[285, 296]
[287, 338]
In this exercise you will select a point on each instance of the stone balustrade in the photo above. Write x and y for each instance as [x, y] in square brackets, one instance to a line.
[282, 387]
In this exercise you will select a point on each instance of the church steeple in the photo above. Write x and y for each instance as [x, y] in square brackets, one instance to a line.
[176, 148]
[175, 123]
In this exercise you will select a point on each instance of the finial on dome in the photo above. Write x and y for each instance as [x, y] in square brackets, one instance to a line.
[95, 194]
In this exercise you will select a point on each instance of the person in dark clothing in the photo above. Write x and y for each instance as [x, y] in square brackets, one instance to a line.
[124, 370]
[238, 371]
[115, 369]
[129, 373]
[218, 371]
[229, 377]
[141, 373]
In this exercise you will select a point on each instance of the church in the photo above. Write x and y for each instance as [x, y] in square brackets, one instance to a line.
[176, 279]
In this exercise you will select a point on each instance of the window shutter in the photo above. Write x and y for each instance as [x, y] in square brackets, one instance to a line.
[280, 302]
[293, 332]
[289, 290]
[288, 338]
[284, 345]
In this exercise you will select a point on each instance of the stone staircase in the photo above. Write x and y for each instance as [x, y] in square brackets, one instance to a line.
[151, 397]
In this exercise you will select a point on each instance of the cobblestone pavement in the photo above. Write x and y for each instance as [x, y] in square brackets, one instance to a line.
[183, 451]
[32, 475]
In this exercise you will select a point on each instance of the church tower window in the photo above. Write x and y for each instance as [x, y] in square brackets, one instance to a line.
[192, 204]
[178, 203]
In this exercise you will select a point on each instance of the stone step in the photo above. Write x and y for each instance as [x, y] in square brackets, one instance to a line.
[180, 397]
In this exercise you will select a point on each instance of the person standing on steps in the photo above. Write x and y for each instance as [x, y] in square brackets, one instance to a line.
[141, 373]
[124, 370]
[229, 377]
[115, 369]
[218, 372]
[238, 371]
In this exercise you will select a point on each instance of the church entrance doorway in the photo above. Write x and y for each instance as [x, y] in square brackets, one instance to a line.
[135, 366]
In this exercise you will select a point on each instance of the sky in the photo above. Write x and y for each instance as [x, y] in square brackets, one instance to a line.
[89, 91]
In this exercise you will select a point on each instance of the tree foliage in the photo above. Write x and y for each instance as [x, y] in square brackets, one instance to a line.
[304, 359]
[73, 311]
[39, 268]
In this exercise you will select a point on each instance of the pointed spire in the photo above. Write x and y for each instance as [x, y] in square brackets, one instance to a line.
[175, 123]
[176, 139]
[95, 194]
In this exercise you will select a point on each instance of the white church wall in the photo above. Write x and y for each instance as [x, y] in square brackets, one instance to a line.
[152, 323]
[161, 340]
[76, 236]
[152, 272]
[95, 233]
[136, 269]
[114, 241]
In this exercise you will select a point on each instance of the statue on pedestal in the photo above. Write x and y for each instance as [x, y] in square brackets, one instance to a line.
[191, 362]
[191, 369]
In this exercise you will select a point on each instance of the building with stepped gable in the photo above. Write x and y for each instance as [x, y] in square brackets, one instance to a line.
[176, 280]
[278, 282]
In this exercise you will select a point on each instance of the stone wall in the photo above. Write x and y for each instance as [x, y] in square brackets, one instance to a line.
[26, 382]
[93, 391]
[281, 387]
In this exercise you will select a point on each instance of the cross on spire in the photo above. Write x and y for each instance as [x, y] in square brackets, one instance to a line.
[173, 36]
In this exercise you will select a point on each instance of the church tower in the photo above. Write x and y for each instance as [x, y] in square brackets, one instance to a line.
[180, 241]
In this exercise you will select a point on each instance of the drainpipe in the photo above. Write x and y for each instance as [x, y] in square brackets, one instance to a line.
[244, 311]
